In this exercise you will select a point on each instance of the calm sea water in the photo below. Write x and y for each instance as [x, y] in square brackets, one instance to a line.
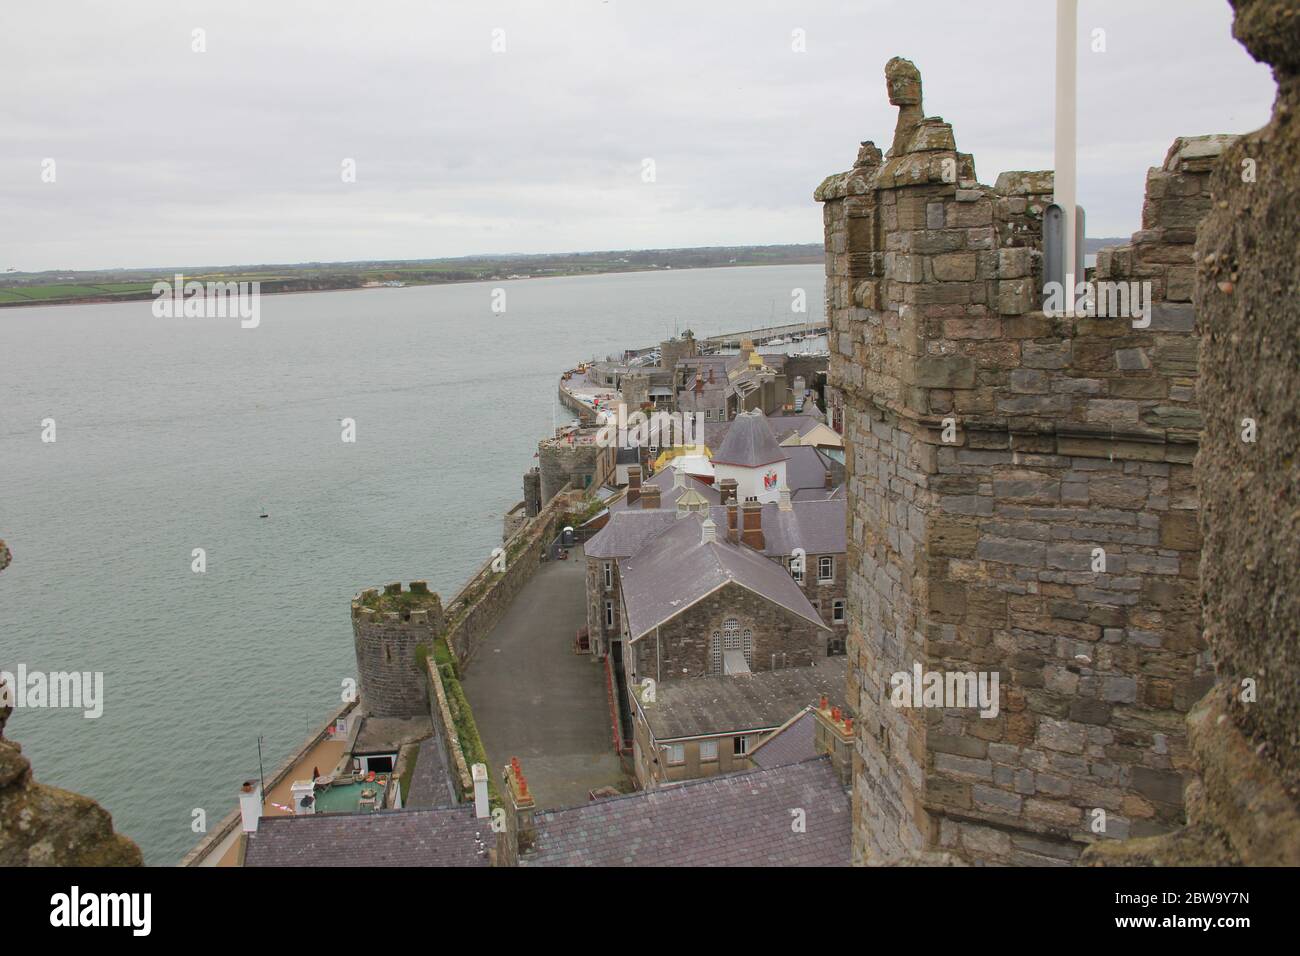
[173, 433]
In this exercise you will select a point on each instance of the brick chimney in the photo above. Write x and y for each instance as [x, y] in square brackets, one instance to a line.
[833, 734]
[633, 484]
[650, 496]
[727, 490]
[516, 838]
[733, 535]
[752, 534]
[830, 480]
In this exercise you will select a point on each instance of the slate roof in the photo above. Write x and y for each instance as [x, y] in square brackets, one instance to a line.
[678, 568]
[816, 525]
[783, 426]
[750, 442]
[733, 820]
[806, 467]
[818, 494]
[431, 780]
[628, 531]
[450, 836]
[790, 744]
[744, 703]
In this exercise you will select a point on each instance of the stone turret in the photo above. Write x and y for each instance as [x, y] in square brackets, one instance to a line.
[388, 628]
[1022, 504]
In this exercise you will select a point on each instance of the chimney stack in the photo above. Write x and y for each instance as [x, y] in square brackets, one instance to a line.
[650, 496]
[752, 534]
[679, 477]
[517, 836]
[830, 480]
[833, 734]
[727, 490]
[733, 535]
[250, 804]
[785, 503]
[708, 532]
[482, 808]
[633, 484]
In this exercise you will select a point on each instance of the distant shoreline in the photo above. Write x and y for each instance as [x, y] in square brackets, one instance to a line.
[98, 288]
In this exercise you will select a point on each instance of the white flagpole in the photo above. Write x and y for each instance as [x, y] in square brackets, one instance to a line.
[1067, 26]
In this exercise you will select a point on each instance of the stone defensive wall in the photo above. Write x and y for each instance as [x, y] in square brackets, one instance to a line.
[1021, 503]
[480, 604]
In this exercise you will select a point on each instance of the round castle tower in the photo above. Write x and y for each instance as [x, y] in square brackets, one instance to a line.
[387, 627]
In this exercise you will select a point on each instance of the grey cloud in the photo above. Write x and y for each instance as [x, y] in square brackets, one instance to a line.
[234, 155]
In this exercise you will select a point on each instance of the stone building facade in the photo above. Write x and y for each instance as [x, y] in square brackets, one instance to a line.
[1021, 504]
[681, 647]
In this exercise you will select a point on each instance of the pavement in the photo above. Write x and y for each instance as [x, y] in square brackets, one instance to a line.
[537, 700]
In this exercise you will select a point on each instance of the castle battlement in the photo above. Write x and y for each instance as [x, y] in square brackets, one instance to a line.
[1022, 502]
[389, 627]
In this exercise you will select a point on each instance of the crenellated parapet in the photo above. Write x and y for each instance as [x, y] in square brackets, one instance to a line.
[1021, 501]
[389, 626]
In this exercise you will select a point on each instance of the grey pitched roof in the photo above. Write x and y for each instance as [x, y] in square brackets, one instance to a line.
[783, 426]
[817, 526]
[628, 531]
[806, 467]
[677, 569]
[818, 494]
[760, 701]
[750, 442]
[733, 820]
[450, 836]
[431, 784]
[790, 744]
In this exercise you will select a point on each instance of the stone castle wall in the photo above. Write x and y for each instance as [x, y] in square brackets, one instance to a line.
[993, 449]
[1243, 281]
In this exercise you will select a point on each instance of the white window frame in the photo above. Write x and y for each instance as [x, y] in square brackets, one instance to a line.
[609, 614]
[706, 758]
[839, 611]
[740, 746]
[671, 752]
[609, 575]
[825, 578]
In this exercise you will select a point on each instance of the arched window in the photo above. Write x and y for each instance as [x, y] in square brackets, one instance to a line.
[730, 638]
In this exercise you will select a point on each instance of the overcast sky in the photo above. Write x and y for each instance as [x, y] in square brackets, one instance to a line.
[164, 156]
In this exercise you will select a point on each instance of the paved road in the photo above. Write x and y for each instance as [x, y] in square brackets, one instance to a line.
[535, 699]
